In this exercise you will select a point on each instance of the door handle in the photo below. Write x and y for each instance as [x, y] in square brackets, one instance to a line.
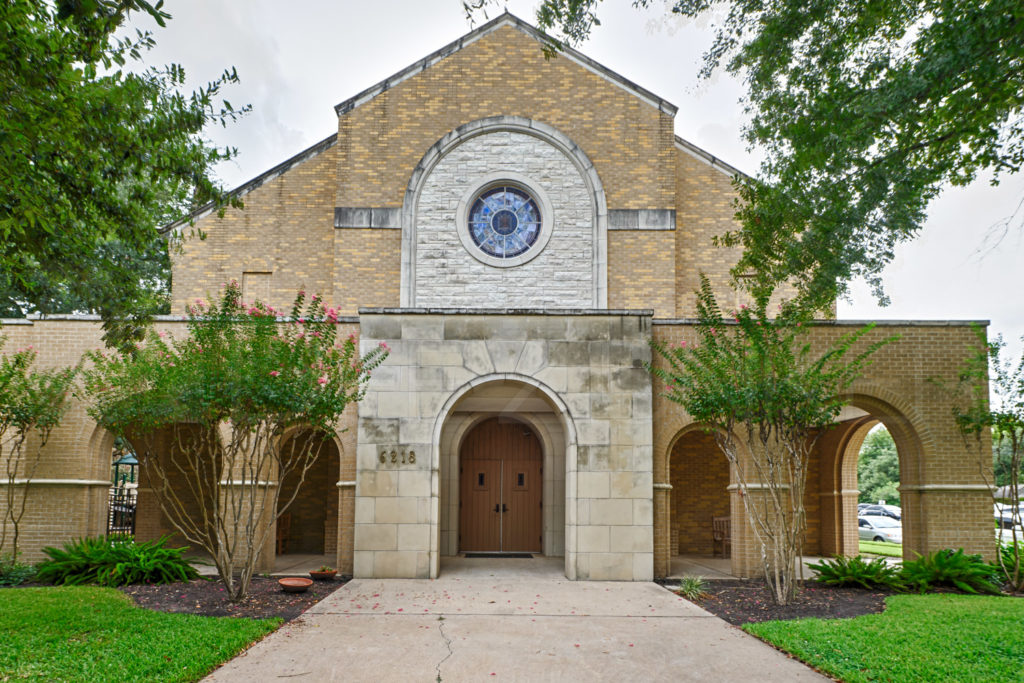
[504, 508]
[496, 508]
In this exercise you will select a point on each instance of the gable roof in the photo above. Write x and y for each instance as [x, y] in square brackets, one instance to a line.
[505, 19]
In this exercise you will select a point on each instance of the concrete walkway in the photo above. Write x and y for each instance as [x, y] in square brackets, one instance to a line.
[511, 620]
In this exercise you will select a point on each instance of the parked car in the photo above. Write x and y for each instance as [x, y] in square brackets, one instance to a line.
[880, 529]
[893, 511]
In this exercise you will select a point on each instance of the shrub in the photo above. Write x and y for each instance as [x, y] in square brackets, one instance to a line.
[115, 561]
[692, 587]
[968, 573]
[14, 573]
[856, 571]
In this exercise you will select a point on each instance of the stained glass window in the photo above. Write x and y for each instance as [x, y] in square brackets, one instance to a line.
[504, 221]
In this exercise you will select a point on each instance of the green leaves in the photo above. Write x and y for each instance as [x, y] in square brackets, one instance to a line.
[865, 111]
[115, 561]
[93, 159]
[759, 370]
[241, 362]
[856, 571]
[955, 568]
[31, 399]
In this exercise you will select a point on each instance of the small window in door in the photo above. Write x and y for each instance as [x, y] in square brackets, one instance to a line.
[520, 483]
[480, 482]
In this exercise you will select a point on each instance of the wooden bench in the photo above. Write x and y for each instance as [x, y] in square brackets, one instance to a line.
[284, 528]
[721, 535]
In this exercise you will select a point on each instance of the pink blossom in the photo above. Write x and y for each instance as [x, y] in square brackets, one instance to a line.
[302, 321]
[384, 346]
[323, 380]
[274, 373]
[162, 334]
[302, 292]
[743, 307]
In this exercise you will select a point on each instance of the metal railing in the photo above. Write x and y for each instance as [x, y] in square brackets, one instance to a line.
[121, 513]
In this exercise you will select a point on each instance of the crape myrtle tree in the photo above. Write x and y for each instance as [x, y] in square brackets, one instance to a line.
[98, 150]
[766, 396]
[990, 399]
[32, 403]
[864, 109]
[245, 399]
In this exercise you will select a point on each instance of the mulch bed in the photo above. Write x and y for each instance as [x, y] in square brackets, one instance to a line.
[747, 601]
[207, 597]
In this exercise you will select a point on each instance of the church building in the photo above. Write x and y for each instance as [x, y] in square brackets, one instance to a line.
[517, 229]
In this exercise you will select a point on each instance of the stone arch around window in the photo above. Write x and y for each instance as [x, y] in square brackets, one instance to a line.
[597, 287]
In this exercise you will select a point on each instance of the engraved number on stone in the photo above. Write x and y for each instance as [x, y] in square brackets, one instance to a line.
[412, 457]
[383, 458]
[394, 457]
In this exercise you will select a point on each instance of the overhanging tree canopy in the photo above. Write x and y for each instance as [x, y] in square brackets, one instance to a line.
[865, 109]
[96, 152]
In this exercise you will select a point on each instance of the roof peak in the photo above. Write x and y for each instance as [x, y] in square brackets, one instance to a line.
[506, 18]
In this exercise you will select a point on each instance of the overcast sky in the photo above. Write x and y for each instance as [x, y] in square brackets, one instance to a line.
[298, 59]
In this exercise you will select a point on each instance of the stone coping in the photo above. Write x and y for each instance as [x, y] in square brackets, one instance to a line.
[84, 317]
[848, 323]
[507, 311]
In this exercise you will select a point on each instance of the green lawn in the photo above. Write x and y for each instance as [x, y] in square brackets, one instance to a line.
[887, 549]
[940, 637]
[96, 634]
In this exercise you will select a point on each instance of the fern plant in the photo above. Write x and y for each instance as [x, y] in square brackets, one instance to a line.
[115, 561]
[969, 573]
[857, 571]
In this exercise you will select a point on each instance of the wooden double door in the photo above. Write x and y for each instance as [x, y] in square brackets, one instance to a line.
[501, 480]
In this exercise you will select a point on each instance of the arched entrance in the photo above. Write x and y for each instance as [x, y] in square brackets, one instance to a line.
[700, 481]
[309, 525]
[501, 486]
[500, 429]
[839, 451]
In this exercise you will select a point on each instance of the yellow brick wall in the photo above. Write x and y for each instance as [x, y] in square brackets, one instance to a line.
[286, 228]
[629, 141]
[897, 388]
[641, 270]
[704, 209]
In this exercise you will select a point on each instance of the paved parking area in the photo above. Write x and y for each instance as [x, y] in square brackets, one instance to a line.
[512, 620]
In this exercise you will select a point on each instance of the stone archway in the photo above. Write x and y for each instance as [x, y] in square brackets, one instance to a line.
[518, 399]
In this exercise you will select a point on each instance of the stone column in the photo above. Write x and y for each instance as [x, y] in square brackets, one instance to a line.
[662, 530]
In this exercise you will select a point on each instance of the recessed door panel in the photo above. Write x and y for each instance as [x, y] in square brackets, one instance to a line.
[521, 489]
[500, 489]
[480, 523]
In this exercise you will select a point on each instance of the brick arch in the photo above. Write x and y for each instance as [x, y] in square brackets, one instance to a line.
[900, 417]
[912, 438]
[516, 124]
[301, 521]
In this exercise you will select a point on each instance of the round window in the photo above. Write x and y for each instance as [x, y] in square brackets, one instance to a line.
[504, 221]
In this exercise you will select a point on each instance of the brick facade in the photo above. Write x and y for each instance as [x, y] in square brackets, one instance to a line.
[635, 482]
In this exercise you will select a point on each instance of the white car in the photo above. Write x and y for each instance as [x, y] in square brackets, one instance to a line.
[880, 529]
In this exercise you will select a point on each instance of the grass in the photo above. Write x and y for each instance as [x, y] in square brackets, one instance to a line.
[887, 549]
[87, 633]
[942, 637]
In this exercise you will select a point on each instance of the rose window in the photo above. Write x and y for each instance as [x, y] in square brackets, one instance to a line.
[504, 221]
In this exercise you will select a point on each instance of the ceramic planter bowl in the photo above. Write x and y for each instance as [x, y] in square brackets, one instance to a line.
[324, 576]
[294, 584]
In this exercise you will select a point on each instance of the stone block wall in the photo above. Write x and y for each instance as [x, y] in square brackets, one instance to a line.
[589, 368]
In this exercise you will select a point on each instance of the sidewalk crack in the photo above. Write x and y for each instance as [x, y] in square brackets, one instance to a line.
[448, 644]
